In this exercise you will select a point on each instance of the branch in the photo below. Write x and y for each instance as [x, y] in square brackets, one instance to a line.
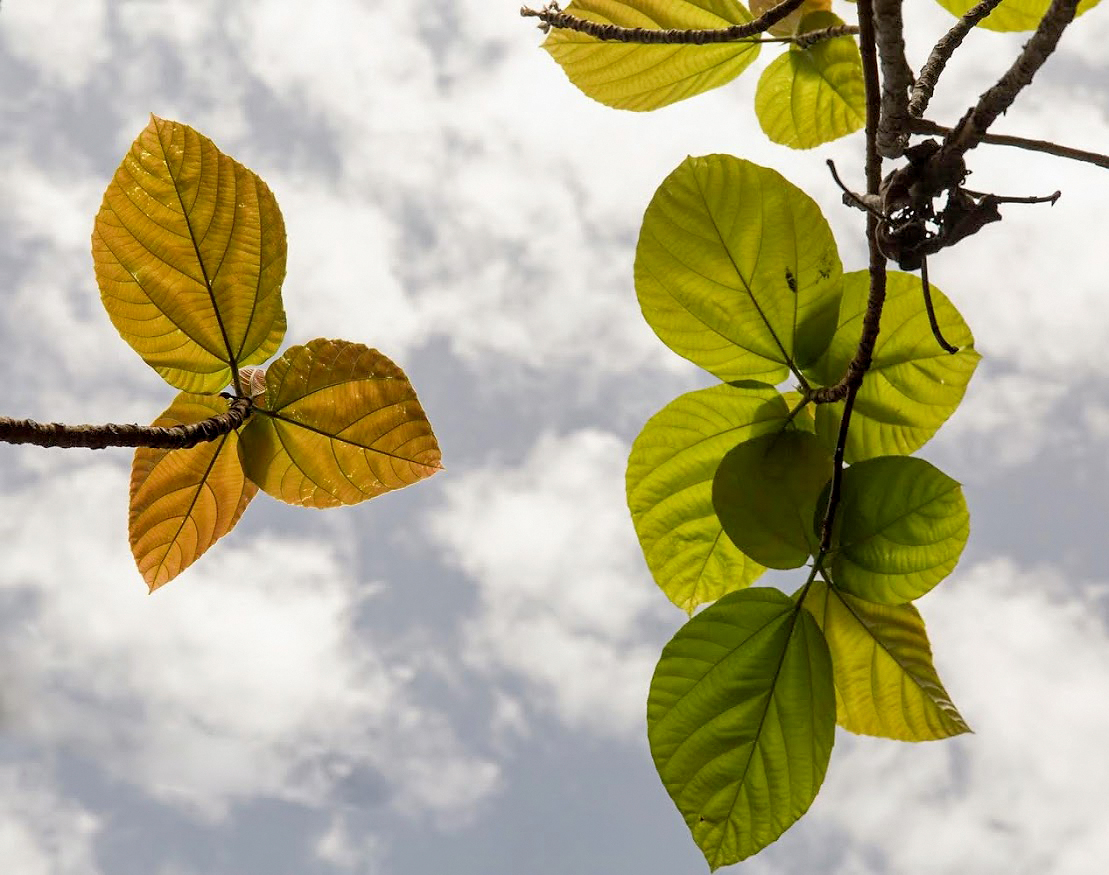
[897, 78]
[972, 128]
[924, 126]
[941, 54]
[97, 437]
[553, 16]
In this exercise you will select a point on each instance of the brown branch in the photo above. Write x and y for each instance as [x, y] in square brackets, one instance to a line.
[924, 126]
[553, 16]
[897, 78]
[971, 129]
[97, 437]
[812, 37]
[930, 73]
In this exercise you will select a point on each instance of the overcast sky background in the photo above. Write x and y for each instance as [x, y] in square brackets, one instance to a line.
[452, 678]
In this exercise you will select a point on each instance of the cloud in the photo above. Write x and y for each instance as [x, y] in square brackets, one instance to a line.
[1025, 655]
[247, 678]
[64, 41]
[41, 832]
[566, 603]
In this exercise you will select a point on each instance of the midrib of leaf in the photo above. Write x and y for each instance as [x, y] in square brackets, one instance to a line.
[274, 415]
[900, 517]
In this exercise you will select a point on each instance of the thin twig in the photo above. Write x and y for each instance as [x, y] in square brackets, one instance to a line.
[924, 126]
[97, 437]
[936, 333]
[971, 129]
[849, 197]
[897, 78]
[930, 73]
[553, 16]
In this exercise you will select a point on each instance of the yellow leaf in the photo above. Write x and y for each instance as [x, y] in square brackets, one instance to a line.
[189, 250]
[788, 25]
[339, 423]
[183, 501]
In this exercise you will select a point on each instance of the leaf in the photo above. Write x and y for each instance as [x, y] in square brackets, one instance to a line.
[339, 423]
[791, 24]
[737, 270]
[913, 385]
[1011, 14]
[885, 682]
[900, 529]
[811, 96]
[669, 484]
[644, 77]
[189, 251]
[765, 493]
[183, 501]
[741, 720]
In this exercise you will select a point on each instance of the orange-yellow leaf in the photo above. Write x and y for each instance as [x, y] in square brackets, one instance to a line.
[339, 423]
[183, 501]
[189, 250]
[788, 25]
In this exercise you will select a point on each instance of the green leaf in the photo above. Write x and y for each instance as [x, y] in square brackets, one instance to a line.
[811, 96]
[900, 529]
[1010, 14]
[885, 682]
[741, 720]
[643, 77]
[913, 384]
[183, 501]
[189, 251]
[339, 423]
[737, 270]
[669, 484]
[765, 493]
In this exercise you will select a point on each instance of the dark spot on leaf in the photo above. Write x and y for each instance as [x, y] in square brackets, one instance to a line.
[791, 281]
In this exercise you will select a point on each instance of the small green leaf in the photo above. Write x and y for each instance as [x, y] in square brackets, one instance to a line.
[913, 384]
[339, 423]
[811, 96]
[189, 251]
[886, 684]
[737, 270]
[741, 720]
[765, 493]
[641, 76]
[900, 529]
[1010, 14]
[669, 483]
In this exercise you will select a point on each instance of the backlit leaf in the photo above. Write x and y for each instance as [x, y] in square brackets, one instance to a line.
[811, 96]
[669, 482]
[183, 501]
[339, 423]
[913, 384]
[901, 527]
[885, 682]
[643, 77]
[737, 270]
[791, 23]
[1011, 14]
[741, 720]
[765, 493]
[189, 250]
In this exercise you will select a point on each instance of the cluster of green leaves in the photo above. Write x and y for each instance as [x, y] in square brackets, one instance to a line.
[737, 271]
[189, 250]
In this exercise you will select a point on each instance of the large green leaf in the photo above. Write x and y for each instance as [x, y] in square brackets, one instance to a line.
[811, 96]
[669, 482]
[900, 529]
[189, 250]
[886, 684]
[766, 493]
[339, 423]
[737, 270]
[642, 77]
[183, 501]
[913, 384]
[741, 720]
[1011, 14]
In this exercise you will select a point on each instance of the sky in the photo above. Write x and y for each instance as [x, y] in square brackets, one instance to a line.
[452, 678]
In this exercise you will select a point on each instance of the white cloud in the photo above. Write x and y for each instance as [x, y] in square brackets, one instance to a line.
[41, 832]
[1025, 656]
[65, 41]
[363, 853]
[245, 677]
[564, 594]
